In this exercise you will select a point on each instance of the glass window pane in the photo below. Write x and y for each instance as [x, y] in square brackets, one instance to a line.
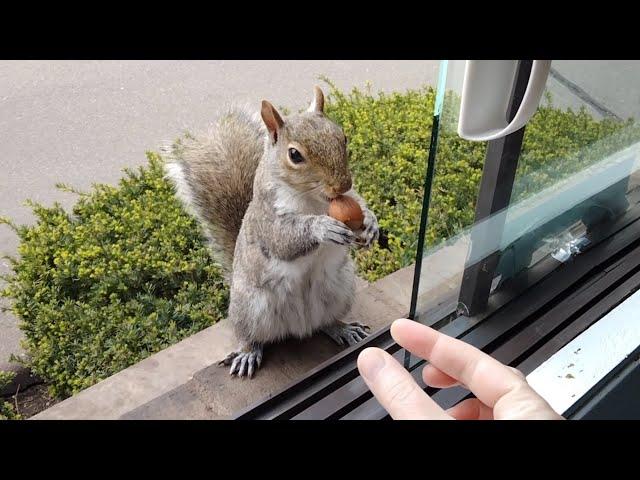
[575, 181]
[454, 188]
[579, 154]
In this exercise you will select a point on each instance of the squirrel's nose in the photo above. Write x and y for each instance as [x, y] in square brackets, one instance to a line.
[333, 190]
[344, 187]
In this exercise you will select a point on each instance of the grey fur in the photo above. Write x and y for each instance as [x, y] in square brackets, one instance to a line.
[214, 173]
[291, 274]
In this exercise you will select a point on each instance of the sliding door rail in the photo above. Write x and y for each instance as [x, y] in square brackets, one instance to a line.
[523, 332]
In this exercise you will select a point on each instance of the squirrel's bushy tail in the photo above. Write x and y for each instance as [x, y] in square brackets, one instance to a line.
[213, 175]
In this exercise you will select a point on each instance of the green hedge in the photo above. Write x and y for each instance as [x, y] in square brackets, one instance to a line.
[127, 273]
[7, 412]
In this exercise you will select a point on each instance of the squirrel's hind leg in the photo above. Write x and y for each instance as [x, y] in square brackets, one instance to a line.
[245, 361]
[351, 333]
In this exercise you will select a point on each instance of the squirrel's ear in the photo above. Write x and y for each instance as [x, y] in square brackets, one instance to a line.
[317, 104]
[272, 120]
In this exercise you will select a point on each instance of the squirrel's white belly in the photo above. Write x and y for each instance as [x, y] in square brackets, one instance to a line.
[307, 293]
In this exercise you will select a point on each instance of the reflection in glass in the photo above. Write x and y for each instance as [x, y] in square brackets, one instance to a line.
[576, 177]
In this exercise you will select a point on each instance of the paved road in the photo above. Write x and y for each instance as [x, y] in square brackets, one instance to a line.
[81, 122]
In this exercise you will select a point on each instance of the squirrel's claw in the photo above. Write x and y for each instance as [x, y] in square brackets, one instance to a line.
[225, 362]
[331, 230]
[371, 231]
[351, 333]
[243, 364]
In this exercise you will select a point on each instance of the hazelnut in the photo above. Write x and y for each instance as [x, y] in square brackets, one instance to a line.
[346, 210]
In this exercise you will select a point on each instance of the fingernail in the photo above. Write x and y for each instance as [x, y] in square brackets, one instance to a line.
[371, 362]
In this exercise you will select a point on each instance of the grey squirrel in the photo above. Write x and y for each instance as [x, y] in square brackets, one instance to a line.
[261, 190]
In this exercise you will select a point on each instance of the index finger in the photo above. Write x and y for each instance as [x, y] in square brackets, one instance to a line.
[486, 377]
[395, 388]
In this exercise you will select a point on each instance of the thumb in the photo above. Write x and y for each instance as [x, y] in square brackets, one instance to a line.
[395, 388]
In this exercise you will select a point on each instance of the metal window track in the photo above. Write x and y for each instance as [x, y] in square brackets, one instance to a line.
[532, 317]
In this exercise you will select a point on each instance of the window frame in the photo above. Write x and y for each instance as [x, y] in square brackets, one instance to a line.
[531, 317]
[559, 306]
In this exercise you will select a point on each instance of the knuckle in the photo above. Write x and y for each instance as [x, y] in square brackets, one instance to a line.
[400, 392]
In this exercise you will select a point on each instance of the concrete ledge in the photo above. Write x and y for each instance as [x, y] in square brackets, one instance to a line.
[183, 381]
[213, 394]
[441, 277]
[147, 379]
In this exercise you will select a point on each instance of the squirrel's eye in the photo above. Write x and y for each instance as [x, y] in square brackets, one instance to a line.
[295, 156]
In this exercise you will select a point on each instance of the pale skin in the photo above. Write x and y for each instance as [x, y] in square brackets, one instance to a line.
[502, 392]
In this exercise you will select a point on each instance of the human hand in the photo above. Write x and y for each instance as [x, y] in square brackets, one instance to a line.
[502, 392]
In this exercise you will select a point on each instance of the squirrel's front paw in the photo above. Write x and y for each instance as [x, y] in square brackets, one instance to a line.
[243, 363]
[327, 229]
[349, 333]
[370, 230]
